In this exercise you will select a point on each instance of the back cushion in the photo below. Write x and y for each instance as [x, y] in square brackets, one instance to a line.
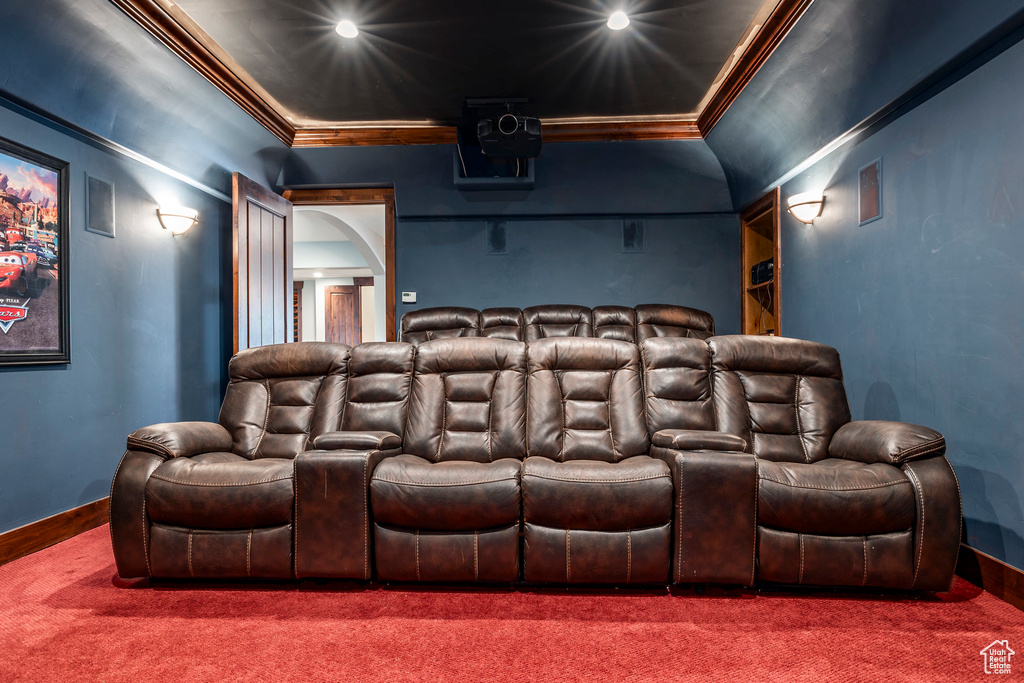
[440, 323]
[585, 400]
[784, 396]
[468, 400]
[502, 323]
[379, 382]
[615, 322]
[279, 398]
[665, 320]
[677, 384]
[541, 322]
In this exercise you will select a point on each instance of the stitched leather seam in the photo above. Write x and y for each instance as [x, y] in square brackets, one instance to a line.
[266, 421]
[835, 488]
[476, 555]
[799, 427]
[366, 521]
[190, 571]
[444, 423]
[800, 577]
[608, 407]
[295, 523]
[443, 483]
[919, 450]
[679, 520]
[150, 446]
[597, 481]
[757, 495]
[920, 540]
[418, 555]
[864, 581]
[145, 531]
[309, 426]
[561, 398]
[490, 412]
[568, 559]
[217, 486]
[629, 555]
[960, 517]
[248, 554]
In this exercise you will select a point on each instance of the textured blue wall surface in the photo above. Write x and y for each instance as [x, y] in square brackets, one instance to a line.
[674, 176]
[688, 260]
[148, 336]
[925, 304]
[842, 62]
[87, 62]
[565, 235]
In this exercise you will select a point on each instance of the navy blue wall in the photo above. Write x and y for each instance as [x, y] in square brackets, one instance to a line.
[150, 313]
[565, 235]
[924, 304]
[842, 62]
[148, 339]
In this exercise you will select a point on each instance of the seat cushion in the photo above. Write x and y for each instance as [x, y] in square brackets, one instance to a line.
[411, 492]
[634, 493]
[221, 491]
[834, 497]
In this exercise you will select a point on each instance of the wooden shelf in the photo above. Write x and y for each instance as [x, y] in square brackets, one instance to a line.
[760, 226]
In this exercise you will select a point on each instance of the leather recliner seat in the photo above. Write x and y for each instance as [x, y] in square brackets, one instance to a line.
[540, 322]
[566, 460]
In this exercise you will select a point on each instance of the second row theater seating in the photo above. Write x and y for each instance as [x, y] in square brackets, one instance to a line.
[558, 320]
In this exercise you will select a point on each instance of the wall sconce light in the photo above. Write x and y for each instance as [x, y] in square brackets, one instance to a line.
[806, 206]
[177, 219]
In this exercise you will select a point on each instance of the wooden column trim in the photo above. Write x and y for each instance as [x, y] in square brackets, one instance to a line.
[986, 572]
[363, 195]
[46, 532]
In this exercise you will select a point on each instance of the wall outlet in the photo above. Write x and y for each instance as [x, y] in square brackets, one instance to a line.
[408, 297]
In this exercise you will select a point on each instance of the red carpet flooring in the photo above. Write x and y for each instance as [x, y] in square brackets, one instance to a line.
[66, 616]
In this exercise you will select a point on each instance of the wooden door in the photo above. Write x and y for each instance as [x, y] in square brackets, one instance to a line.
[341, 308]
[262, 253]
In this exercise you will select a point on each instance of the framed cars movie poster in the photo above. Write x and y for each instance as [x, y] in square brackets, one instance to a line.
[33, 257]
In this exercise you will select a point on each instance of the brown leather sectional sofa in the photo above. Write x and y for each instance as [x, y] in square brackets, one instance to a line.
[558, 320]
[570, 460]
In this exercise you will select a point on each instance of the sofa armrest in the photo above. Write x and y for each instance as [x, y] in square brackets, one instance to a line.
[357, 441]
[892, 443]
[715, 518]
[333, 536]
[698, 440]
[180, 439]
[938, 523]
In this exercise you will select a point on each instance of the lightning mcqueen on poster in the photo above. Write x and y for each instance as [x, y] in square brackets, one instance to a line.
[33, 257]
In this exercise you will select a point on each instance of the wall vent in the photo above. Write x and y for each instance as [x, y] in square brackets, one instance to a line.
[632, 235]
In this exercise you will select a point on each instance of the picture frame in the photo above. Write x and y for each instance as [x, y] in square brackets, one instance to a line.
[34, 288]
[869, 192]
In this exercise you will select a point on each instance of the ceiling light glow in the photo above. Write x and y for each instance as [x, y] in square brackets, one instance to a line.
[347, 29]
[618, 21]
[318, 274]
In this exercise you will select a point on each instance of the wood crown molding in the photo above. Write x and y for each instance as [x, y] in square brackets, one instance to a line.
[775, 28]
[52, 530]
[996, 577]
[167, 29]
[152, 17]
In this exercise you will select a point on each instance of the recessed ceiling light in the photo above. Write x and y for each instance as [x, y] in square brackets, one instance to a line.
[347, 29]
[616, 22]
[318, 274]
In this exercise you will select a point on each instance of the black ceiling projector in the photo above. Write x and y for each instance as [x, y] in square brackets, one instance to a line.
[509, 135]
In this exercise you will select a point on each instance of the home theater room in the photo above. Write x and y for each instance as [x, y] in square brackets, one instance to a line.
[582, 340]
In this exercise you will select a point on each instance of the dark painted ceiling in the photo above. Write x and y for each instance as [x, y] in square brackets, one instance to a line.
[417, 60]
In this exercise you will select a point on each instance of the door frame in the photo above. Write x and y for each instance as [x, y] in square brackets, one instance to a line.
[363, 195]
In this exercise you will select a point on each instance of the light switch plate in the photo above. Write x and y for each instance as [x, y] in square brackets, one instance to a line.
[408, 297]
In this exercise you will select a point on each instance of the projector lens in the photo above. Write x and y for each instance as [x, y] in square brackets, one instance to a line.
[508, 124]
